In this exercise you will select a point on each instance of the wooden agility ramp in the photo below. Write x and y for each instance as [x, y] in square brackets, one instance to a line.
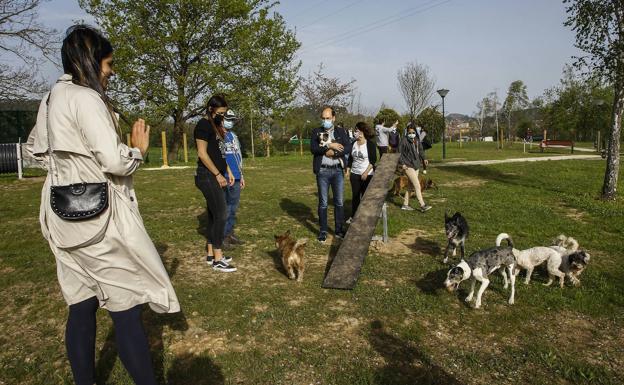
[347, 264]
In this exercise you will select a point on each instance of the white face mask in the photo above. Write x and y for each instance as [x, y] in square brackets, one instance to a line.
[356, 135]
[411, 136]
[228, 124]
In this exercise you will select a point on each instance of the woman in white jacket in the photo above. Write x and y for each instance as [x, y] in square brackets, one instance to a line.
[109, 260]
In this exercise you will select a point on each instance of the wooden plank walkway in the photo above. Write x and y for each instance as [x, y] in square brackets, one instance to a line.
[347, 263]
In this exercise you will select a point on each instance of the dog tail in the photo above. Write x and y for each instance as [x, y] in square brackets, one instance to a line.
[503, 236]
[572, 244]
[300, 242]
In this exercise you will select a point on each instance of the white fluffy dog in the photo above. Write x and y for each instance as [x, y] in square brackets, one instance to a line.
[530, 258]
[569, 262]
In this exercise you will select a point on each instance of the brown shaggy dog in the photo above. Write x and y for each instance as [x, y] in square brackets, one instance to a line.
[292, 253]
[401, 183]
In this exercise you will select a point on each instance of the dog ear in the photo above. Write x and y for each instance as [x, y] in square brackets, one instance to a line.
[287, 232]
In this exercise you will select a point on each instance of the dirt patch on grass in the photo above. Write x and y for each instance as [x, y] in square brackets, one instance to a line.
[575, 215]
[408, 242]
[465, 183]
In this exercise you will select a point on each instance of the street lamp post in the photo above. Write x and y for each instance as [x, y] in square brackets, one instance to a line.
[442, 92]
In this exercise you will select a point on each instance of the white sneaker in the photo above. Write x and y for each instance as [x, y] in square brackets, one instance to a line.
[407, 208]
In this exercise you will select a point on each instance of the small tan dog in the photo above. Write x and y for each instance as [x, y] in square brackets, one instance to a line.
[401, 183]
[292, 253]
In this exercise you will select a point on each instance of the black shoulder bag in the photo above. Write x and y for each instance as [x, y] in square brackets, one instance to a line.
[77, 201]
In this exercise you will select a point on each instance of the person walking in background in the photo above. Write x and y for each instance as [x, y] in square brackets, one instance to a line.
[382, 136]
[234, 159]
[361, 164]
[411, 160]
[107, 260]
[329, 146]
[212, 177]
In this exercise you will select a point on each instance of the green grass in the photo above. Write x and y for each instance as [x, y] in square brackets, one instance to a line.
[397, 327]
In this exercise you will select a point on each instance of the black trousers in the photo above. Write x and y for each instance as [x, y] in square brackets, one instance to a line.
[130, 337]
[358, 187]
[214, 194]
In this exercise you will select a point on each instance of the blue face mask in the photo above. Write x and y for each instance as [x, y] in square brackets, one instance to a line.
[228, 124]
[327, 124]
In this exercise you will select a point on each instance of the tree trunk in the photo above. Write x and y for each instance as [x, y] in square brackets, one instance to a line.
[176, 137]
[609, 187]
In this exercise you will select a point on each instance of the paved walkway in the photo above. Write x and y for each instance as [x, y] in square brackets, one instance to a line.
[458, 163]
[515, 160]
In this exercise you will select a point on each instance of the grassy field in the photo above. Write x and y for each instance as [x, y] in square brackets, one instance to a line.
[397, 327]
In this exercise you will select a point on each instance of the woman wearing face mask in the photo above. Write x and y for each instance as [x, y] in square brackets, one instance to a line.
[361, 164]
[107, 260]
[411, 160]
[212, 177]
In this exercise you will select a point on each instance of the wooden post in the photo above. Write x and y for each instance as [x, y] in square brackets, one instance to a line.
[129, 140]
[251, 133]
[185, 147]
[301, 143]
[460, 137]
[164, 150]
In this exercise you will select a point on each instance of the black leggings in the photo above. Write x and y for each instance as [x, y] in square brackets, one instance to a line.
[215, 204]
[130, 336]
[358, 187]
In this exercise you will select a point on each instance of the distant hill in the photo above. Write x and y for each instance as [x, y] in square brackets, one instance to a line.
[456, 116]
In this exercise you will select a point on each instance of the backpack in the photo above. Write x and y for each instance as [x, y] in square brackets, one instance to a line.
[393, 139]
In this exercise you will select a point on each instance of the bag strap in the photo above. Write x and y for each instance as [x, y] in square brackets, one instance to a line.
[50, 152]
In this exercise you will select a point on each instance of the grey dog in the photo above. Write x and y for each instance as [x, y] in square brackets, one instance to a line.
[478, 266]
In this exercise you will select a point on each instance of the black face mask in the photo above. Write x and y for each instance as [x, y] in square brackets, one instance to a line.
[218, 120]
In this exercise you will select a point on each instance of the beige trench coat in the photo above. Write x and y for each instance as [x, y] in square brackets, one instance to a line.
[110, 256]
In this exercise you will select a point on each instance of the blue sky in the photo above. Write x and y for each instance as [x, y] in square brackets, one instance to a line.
[472, 47]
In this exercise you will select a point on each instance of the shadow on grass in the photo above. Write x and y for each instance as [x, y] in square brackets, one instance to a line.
[333, 250]
[154, 324]
[300, 212]
[490, 173]
[189, 369]
[426, 246]
[406, 363]
[433, 282]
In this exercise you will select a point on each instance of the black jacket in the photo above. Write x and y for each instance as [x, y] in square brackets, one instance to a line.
[412, 153]
[340, 135]
[372, 153]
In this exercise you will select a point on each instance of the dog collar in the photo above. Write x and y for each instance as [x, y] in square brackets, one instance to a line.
[465, 268]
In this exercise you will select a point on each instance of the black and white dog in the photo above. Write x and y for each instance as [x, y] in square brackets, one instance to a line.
[456, 228]
[570, 261]
[478, 266]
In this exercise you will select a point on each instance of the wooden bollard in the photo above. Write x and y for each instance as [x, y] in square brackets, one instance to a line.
[129, 140]
[185, 148]
[164, 150]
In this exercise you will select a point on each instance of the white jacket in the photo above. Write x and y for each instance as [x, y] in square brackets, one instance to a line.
[110, 256]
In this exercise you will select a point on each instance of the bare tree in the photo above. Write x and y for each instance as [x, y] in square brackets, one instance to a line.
[22, 39]
[416, 85]
[482, 106]
[319, 90]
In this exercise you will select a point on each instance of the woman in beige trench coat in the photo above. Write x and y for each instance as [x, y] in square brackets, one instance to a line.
[108, 261]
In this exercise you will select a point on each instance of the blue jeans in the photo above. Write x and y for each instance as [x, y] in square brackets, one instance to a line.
[325, 178]
[232, 199]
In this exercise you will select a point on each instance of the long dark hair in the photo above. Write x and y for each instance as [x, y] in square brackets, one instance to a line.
[84, 48]
[216, 101]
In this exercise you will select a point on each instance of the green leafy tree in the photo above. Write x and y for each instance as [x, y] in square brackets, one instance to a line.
[387, 117]
[431, 121]
[515, 101]
[599, 28]
[171, 55]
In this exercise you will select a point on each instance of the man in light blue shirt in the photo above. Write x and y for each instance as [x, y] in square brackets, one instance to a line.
[234, 159]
